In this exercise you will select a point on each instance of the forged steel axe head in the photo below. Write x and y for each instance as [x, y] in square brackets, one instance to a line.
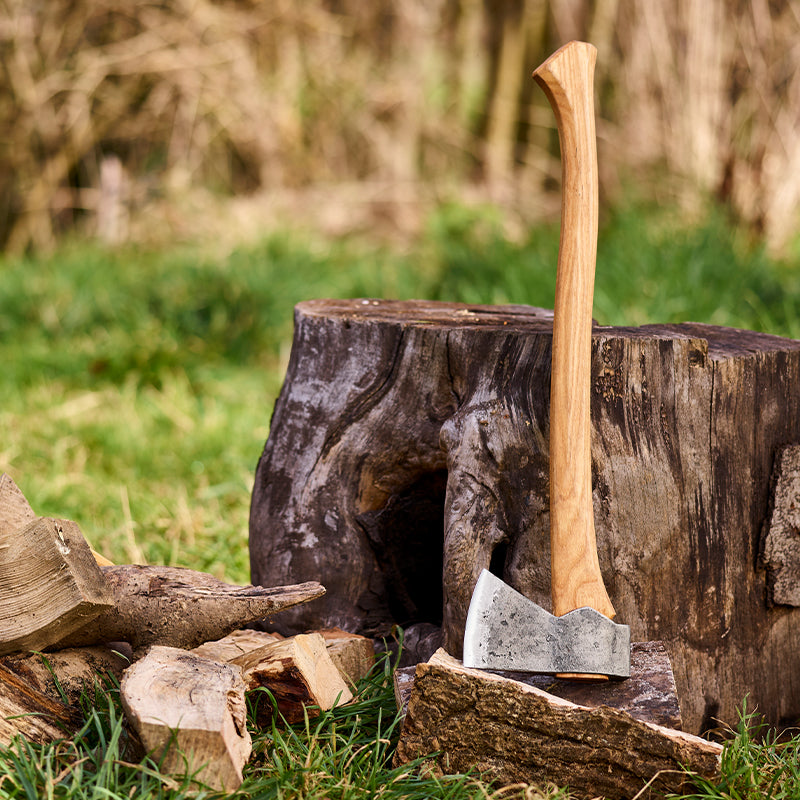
[507, 631]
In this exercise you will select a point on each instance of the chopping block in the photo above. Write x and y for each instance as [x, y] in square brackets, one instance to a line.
[409, 442]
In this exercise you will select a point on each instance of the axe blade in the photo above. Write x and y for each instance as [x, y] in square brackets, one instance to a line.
[507, 631]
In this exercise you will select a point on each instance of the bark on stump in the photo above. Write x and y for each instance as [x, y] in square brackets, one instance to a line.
[410, 442]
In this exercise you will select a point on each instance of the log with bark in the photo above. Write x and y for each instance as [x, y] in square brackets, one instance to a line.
[410, 442]
[179, 607]
[27, 711]
[516, 733]
[64, 675]
[190, 714]
[647, 695]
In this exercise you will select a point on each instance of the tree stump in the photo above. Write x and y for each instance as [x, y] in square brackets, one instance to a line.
[409, 449]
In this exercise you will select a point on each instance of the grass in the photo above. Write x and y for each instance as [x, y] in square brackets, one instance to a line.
[339, 754]
[757, 763]
[136, 390]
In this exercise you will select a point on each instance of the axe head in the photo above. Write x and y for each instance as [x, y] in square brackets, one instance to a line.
[507, 631]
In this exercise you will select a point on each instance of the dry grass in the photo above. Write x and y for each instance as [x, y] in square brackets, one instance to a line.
[113, 115]
[712, 89]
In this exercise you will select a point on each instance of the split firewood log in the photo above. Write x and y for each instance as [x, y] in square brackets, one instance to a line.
[516, 733]
[235, 644]
[26, 710]
[647, 695]
[179, 607]
[68, 673]
[50, 584]
[351, 654]
[190, 714]
[298, 672]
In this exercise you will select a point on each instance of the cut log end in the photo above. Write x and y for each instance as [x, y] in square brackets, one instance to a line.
[57, 585]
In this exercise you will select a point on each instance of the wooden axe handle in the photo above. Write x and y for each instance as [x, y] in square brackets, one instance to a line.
[567, 78]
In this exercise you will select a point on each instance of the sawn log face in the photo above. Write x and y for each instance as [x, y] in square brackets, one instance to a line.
[410, 440]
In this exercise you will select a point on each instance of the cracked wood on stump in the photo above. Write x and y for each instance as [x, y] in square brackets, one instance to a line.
[190, 713]
[520, 734]
[780, 551]
[410, 441]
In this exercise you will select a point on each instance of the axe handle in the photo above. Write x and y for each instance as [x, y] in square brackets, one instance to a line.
[567, 78]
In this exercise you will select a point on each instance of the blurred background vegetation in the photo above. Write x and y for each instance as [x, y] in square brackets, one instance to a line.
[153, 121]
[176, 175]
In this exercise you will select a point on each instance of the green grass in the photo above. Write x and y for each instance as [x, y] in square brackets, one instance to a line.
[135, 395]
[341, 754]
[757, 763]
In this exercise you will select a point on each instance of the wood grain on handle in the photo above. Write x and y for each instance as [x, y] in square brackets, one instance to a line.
[567, 78]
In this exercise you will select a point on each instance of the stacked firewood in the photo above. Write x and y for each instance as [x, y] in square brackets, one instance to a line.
[174, 639]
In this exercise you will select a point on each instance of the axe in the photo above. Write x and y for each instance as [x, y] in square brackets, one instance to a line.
[505, 630]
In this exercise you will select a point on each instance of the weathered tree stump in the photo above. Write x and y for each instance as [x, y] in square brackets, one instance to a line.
[409, 449]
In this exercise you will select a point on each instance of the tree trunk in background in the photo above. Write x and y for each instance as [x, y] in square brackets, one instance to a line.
[410, 442]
